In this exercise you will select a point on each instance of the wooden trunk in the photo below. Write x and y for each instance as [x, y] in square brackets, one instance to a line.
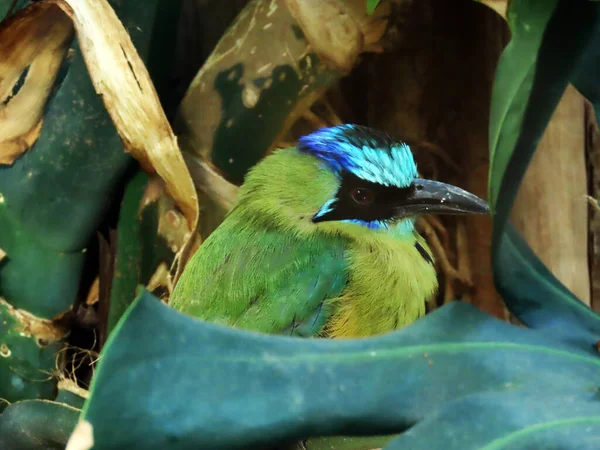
[551, 209]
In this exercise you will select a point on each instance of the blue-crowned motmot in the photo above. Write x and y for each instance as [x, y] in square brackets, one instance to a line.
[322, 242]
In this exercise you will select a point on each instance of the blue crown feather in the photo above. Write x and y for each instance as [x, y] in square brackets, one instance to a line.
[369, 154]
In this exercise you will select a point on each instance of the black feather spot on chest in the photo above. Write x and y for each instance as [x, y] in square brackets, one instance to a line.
[423, 252]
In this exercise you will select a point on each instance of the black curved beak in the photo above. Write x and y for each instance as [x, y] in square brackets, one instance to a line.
[434, 197]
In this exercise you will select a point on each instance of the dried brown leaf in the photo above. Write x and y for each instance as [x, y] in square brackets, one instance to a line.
[82, 437]
[30, 325]
[172, 226]
[94, 292]
[66, 384]
[11, 149]
[340, 31]
[267, 38]
[594, 203]
[499, 6]
[33, 44]
[160, 278]
[209, 181]
[120, 77]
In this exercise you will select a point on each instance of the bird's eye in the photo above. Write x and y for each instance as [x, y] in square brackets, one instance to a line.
[362, 196]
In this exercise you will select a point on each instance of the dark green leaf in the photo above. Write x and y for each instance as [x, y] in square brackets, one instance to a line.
[55, 195]
[250, 389]
[531, 77]
[6, 5]
[27, 363]
[127, 261]
[69, 398]
[540, 300]
[252, 88]
[37, 425]
[265, 119]
[510, 420]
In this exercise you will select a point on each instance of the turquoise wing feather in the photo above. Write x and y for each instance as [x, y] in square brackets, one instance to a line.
[259, 278]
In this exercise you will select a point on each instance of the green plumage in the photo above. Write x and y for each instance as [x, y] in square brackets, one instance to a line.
[269, 268]
[250, 277]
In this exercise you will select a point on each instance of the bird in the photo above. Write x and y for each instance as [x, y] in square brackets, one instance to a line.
[322, 242]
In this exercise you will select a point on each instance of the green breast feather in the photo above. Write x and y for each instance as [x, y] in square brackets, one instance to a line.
[261, 279]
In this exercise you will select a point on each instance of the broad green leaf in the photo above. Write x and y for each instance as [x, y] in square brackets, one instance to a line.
[27, 248]
[37, 425]
[531, 77]
[170, 381]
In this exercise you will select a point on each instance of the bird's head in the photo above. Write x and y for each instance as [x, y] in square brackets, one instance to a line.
[353, 174]
[378, 180]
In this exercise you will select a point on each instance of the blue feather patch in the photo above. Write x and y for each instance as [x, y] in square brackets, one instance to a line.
[369, 154]
[327, 207]
[372, 225]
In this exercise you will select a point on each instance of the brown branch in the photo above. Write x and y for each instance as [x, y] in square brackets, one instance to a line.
[438, 249]
[285, 144]
[463, 258]
[313, 119]
[449, 294]
[436, 223]
[332, 117]
[594, 203]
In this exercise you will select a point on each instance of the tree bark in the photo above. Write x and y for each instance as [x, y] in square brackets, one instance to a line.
[593, 164]
[551, 209]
